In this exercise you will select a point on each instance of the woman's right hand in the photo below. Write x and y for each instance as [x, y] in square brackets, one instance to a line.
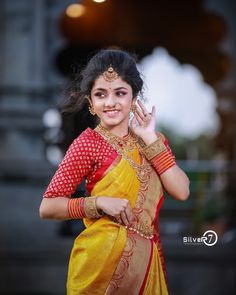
[116, 207]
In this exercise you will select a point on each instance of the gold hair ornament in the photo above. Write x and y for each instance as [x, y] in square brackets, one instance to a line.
[110, 74]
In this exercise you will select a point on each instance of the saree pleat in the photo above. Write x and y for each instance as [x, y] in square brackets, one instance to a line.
[95, 255]
[106, 257]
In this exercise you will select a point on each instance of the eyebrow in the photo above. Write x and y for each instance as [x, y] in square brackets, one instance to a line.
[103, 89]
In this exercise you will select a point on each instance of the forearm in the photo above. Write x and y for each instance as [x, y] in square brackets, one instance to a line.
[54, 208]
[173, 178]
[176, 183]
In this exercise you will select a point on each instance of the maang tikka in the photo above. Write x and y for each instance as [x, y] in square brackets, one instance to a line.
[110, 74]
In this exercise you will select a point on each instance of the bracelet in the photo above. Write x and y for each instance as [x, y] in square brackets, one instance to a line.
[90, 208]
[154, 149]
[163, 161]
[76, 208]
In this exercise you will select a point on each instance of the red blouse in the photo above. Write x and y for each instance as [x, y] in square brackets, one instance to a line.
[88, 154]
[88, 157]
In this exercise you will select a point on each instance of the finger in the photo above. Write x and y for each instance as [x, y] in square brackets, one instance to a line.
[117, 217]
[139, 120]
[124, 218]
[143, 108]
[140, 113]
[129, 215]
[133, 123]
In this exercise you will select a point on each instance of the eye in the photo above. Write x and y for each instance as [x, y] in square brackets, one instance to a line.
[99, 94]
[120, 93]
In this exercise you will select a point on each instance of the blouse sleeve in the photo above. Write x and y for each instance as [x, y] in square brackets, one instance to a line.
[165, 141]
[76, 165]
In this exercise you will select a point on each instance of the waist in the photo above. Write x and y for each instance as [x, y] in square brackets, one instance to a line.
[145, 231]
[142, 228]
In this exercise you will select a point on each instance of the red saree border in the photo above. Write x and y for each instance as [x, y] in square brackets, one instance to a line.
[157, 241]
[158, 208]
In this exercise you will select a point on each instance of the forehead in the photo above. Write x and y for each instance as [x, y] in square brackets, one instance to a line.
[100, 82]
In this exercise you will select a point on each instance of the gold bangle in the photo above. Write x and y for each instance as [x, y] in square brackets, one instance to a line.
[90, 208]
[154, 149]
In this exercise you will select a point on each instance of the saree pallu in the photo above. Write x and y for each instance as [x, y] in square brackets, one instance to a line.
[107, 258]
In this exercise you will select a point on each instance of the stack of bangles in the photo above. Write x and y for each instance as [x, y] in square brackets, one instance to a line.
[83, 207]
[159, 155]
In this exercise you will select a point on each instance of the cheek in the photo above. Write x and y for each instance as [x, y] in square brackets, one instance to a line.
[128, 102]
[96, 103]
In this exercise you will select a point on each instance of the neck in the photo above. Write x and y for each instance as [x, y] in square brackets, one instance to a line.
[117, 130]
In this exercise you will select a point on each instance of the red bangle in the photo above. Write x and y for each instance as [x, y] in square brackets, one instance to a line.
[163, 161]
[76, 208]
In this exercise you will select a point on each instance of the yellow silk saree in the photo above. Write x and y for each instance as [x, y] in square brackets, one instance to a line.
[108, 258]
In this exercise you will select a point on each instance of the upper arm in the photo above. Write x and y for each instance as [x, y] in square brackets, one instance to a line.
[75, 166]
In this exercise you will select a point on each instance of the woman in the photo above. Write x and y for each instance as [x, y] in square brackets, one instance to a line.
[126, 169]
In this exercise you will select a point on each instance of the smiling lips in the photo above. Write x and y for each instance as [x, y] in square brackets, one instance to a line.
[111, 113]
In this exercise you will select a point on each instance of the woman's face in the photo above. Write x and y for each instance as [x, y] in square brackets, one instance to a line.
[112, 101]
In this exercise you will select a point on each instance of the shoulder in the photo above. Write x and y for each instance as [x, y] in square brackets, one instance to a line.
[91, 135]
[89, 139]
[86, 136]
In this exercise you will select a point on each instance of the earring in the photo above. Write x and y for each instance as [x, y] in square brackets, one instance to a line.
[91, 110]
[90, 106]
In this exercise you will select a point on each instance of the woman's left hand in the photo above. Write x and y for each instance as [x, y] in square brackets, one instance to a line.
[143, 124]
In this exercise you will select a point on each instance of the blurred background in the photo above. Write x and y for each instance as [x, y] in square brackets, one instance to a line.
[187, 54]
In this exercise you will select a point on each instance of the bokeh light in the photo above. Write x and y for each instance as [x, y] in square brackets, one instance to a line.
[99, 1]
[52, 118]
[75, 10]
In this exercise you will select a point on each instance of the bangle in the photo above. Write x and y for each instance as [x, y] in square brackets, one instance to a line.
[163, 161]
[90, 208]
[154, 149]
[76, 208]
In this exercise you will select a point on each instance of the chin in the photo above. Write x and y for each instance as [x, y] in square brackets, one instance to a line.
[111, 122]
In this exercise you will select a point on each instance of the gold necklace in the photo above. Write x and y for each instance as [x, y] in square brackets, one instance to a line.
[128, 142]
[125, 145]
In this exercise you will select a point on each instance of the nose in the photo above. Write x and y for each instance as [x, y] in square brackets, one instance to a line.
[110, 101]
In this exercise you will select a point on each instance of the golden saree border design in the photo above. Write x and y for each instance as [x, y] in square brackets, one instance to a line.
[147, 272]
[132, 279]
[131, 270]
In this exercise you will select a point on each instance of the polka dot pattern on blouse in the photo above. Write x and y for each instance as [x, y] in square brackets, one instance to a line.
[87, 153]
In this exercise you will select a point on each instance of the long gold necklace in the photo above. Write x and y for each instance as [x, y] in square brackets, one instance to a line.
[125, 145]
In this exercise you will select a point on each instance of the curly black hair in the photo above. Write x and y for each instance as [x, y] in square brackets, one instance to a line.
[121, 61]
